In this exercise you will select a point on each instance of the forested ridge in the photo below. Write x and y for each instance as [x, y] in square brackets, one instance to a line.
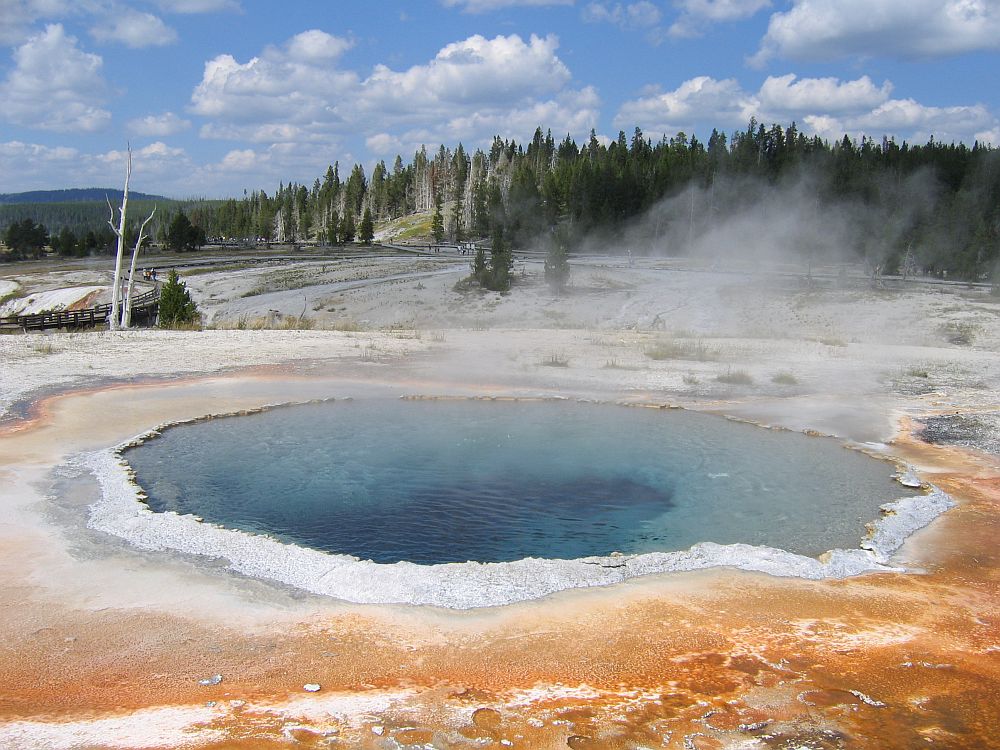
[73, 195]
[935, 207]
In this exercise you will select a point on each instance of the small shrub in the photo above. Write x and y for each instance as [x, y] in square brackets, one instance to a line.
[962, 334]
[345, 325]
[673, 349]
[832, 341]
[557, 262]
[784, 378]
[295, 324]
[192, 325]
[176, 306]
[918, 372]
[735, 377]
[691, 380]
[43, 348]
[556, 360]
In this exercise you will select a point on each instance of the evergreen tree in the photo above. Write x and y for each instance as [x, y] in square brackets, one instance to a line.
[458, 219]
[524, 212]
[557, 262]
[460, 170]
[333, 228]
[347, 228]
[25, 239]
[437, 221]
[480, 209]
[66, 243]
[479, 266]
[501, 264]
[176, 305]
[182, 235]
[366, 233]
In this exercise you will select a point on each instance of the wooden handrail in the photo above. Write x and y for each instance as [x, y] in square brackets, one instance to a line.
[142, 306]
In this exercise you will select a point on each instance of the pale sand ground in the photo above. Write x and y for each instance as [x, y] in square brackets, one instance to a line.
[106, 644]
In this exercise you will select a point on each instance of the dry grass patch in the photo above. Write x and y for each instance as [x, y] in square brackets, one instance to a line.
[962, 333]
[831, 341]
[735, 377]
[615, 364]
[556, 360]
[43, 348]
[668, 348]
[270, 323]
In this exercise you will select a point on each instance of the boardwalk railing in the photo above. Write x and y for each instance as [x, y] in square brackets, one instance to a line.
[144, 310]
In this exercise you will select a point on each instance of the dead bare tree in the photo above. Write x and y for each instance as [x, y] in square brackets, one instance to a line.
[115, 318]
[127, 312]
[908, 266]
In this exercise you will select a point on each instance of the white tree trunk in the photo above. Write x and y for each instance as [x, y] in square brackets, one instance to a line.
[127, 312]
[120, 231]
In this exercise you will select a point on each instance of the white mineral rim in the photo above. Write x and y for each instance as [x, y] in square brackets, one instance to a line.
[122, 513]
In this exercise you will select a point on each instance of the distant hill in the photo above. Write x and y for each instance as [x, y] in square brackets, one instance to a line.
[75, 195]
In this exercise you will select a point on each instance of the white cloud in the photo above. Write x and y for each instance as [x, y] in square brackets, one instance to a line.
[133, 29]
[573, 112]
[473, 90]
[34, 166]
[271, 132]
[158, 126]
[639, 15]
[721, 10]
[315, 46]
[783, 96]
[384, 144]
[159, 150]
[55, 85]
[262, 167]
[484, 6]
[295, 96]
[828, 107]
[835, 29]
[475, 72]
[910, 120]
[698, 100]
[697, 14]
[156, 168]
[240, 160]
[109, 20]
[289, 84]
[292, 102]
[197, 6]
[990, 137]
[14, 150]
[18, 16]
[570, 111]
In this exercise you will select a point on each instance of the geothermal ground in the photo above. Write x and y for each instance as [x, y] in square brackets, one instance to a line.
[104, 645]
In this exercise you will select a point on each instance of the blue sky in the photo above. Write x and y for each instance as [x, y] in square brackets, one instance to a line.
[219, 96]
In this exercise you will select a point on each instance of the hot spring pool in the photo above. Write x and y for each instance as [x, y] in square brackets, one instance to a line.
[491, 481]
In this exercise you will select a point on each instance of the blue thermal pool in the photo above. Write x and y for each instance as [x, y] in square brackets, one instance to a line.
[492, 481]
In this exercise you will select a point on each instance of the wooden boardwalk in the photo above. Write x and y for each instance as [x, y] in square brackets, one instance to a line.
[144, 310]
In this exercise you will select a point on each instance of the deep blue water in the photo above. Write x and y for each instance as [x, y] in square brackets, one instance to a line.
[450, 481]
